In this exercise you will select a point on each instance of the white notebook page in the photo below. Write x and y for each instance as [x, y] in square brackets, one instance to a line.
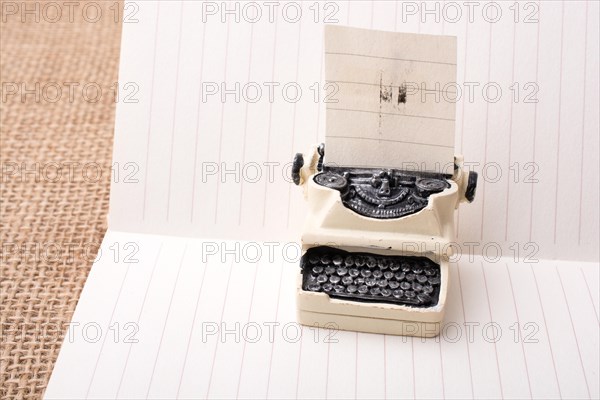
[150, 324]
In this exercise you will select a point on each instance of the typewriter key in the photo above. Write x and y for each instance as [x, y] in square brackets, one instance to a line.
[342, 271]
[330, 270]
[371, 262]
[328, 287]
[317, 269]
[375, 291]
[363, 289]
[334, 279]
[339, 288]
[429, 272]
[386, 292]
[351, 289]
[394, 267]
[409, 277]
[377, 273]
[359, 262]
[337, 260]
[325, 259]
[359, 281]
[394, 284]
[347, 280]
[417, 269]
[365, 272]
[405, 285]
[400, 276]
[322, 278]
[313, 259]
[417, 287]
[427, 289]
[434, 281]
[421, 278]
[370, 281]
[405, 267]
[353, 272]
[424, 298]
[382, 283]
[349, 261]
[388, 274]
[398, 293]
[315, 287]
[409, 293]
[382, 263]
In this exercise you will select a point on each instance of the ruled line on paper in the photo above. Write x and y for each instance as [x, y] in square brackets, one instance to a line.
[535, 111]
[590, 295]
[390, 140]
[139, 316]
[189, 341]
[514, 300]
[539, 296]
[168, 206]
[270, 126]
[417, 88]
[464, 315]
[214, 358]
[222, 122]
[388, 58]
[562, 287]
[560, 105]
[489, 307]
[510, 133]
[389, 113]
[166, 318]
[294, 123]
[585, 53]
[197, 128]
[112, 316]
[486, 135]
[150, 110]
[245, 139]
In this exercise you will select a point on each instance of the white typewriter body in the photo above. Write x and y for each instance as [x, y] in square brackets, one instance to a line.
[426, 233]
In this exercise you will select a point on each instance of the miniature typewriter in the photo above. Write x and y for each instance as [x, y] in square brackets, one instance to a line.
[375, 254]
[376, 241]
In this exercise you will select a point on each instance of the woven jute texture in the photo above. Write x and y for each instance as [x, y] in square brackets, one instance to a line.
[57, 114]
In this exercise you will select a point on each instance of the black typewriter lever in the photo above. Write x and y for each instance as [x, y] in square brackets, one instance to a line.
[471, 186]
[297, 164]
[321, 151]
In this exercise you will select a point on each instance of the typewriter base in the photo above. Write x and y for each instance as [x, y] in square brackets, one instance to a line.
[370, 325]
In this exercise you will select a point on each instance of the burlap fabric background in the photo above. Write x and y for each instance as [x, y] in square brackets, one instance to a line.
[54, 205]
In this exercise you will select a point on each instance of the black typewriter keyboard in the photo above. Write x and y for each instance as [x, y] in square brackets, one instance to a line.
[403, 280]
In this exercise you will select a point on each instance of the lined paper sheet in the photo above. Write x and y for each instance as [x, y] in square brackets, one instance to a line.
[209, 168]
[179, 324]
[190, 320]
[391, 99]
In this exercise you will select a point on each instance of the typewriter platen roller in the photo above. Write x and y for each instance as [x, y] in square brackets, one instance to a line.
[375, 245]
